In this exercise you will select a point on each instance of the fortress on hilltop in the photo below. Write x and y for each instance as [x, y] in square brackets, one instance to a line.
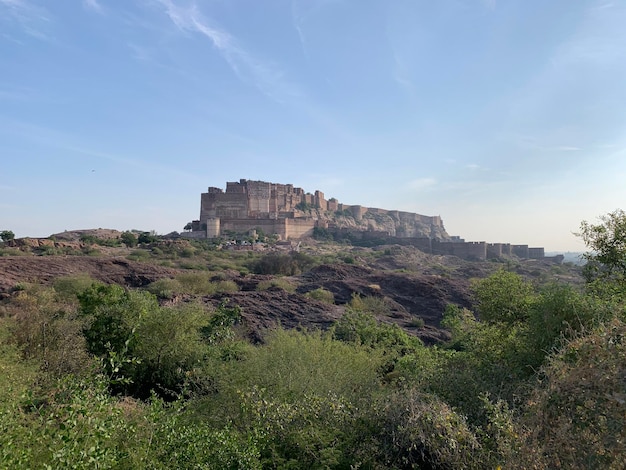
[290, 213]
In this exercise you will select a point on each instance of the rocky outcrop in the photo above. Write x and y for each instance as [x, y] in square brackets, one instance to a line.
[290, 212]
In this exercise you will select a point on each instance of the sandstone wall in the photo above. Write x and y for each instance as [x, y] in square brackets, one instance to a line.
[246, 205]
[259, 194]
[520, 250]
[230, 205]
[299, 228]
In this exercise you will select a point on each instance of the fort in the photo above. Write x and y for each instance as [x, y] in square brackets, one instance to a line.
[290, 213]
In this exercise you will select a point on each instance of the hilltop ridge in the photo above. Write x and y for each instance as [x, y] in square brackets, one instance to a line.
[290, 212]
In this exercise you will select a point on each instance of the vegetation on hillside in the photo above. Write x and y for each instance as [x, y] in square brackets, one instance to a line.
[100, 376]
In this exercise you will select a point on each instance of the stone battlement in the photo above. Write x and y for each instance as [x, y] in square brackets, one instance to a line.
[295, 212]
[292, 213]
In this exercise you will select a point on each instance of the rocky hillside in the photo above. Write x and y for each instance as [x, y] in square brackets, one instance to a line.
[392, 223]
[410, 288]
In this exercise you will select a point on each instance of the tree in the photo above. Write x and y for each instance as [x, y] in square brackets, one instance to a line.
[7, 235]
[129, 239]
[503, 297]
[607, 240]
[188, 227]
[148, 237]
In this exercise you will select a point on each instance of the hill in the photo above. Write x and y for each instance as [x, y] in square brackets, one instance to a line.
[412, 287]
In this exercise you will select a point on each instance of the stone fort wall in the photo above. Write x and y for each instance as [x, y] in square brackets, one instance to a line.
[247, 203]
[281, 209]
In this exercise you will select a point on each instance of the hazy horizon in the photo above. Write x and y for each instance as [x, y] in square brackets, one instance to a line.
[504, 118]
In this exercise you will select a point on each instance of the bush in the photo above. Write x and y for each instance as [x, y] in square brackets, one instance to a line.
[129, 239]
[421, 431]
[165, 288]
[7, 235]
[503, 297]
[364, 329]
[575, 416]
[225, 287]
[279, 283]
[322, 295]
[88, 239]
[283, 264]
[198, 283]
[302, 393]
[147, 237]
[69, 287]
[143, 346]
[374, 305]
[47, 331]
[187, 252]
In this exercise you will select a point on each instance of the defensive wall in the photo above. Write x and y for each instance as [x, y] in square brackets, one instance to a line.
[285, 210]
[462, 249]
[247, 204]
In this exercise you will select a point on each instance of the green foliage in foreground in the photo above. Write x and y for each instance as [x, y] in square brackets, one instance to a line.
[98, 376]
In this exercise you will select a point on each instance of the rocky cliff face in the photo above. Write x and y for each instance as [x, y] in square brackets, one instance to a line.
[393, 223]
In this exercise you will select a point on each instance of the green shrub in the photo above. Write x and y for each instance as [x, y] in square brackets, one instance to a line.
[144, 347]
[192, 266]
[47, 330]
[7, 251]
[129, 239]
[364, 329]
[75, 426]
[90, 251]
[280, 283]
[283, 264]
[88, 239]
[187, 252]
[156, 251]
[47, 251]
[225, 287]
[165, 288]
[419, 430]
[68, 287]
[374, 305]
[303, 393]
[503, 297]
[138, 255]
[198, 283]
[575, 416]
[322, 295]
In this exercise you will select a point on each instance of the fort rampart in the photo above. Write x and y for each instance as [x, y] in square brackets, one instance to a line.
[291, 213]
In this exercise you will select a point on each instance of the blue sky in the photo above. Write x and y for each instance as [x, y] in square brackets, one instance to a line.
[507, 118]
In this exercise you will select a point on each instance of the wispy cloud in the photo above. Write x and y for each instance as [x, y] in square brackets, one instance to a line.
[549, 142]
[297, 19]
[93, 5]
[421, 184]
[15, 94]
[267, 77]
[604, 6]
[141, 53]
[13, 3]
[33, 20]
[600, 39]
[401, 75]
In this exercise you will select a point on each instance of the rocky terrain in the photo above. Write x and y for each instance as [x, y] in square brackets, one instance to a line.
[415, 287]
[45, 269]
